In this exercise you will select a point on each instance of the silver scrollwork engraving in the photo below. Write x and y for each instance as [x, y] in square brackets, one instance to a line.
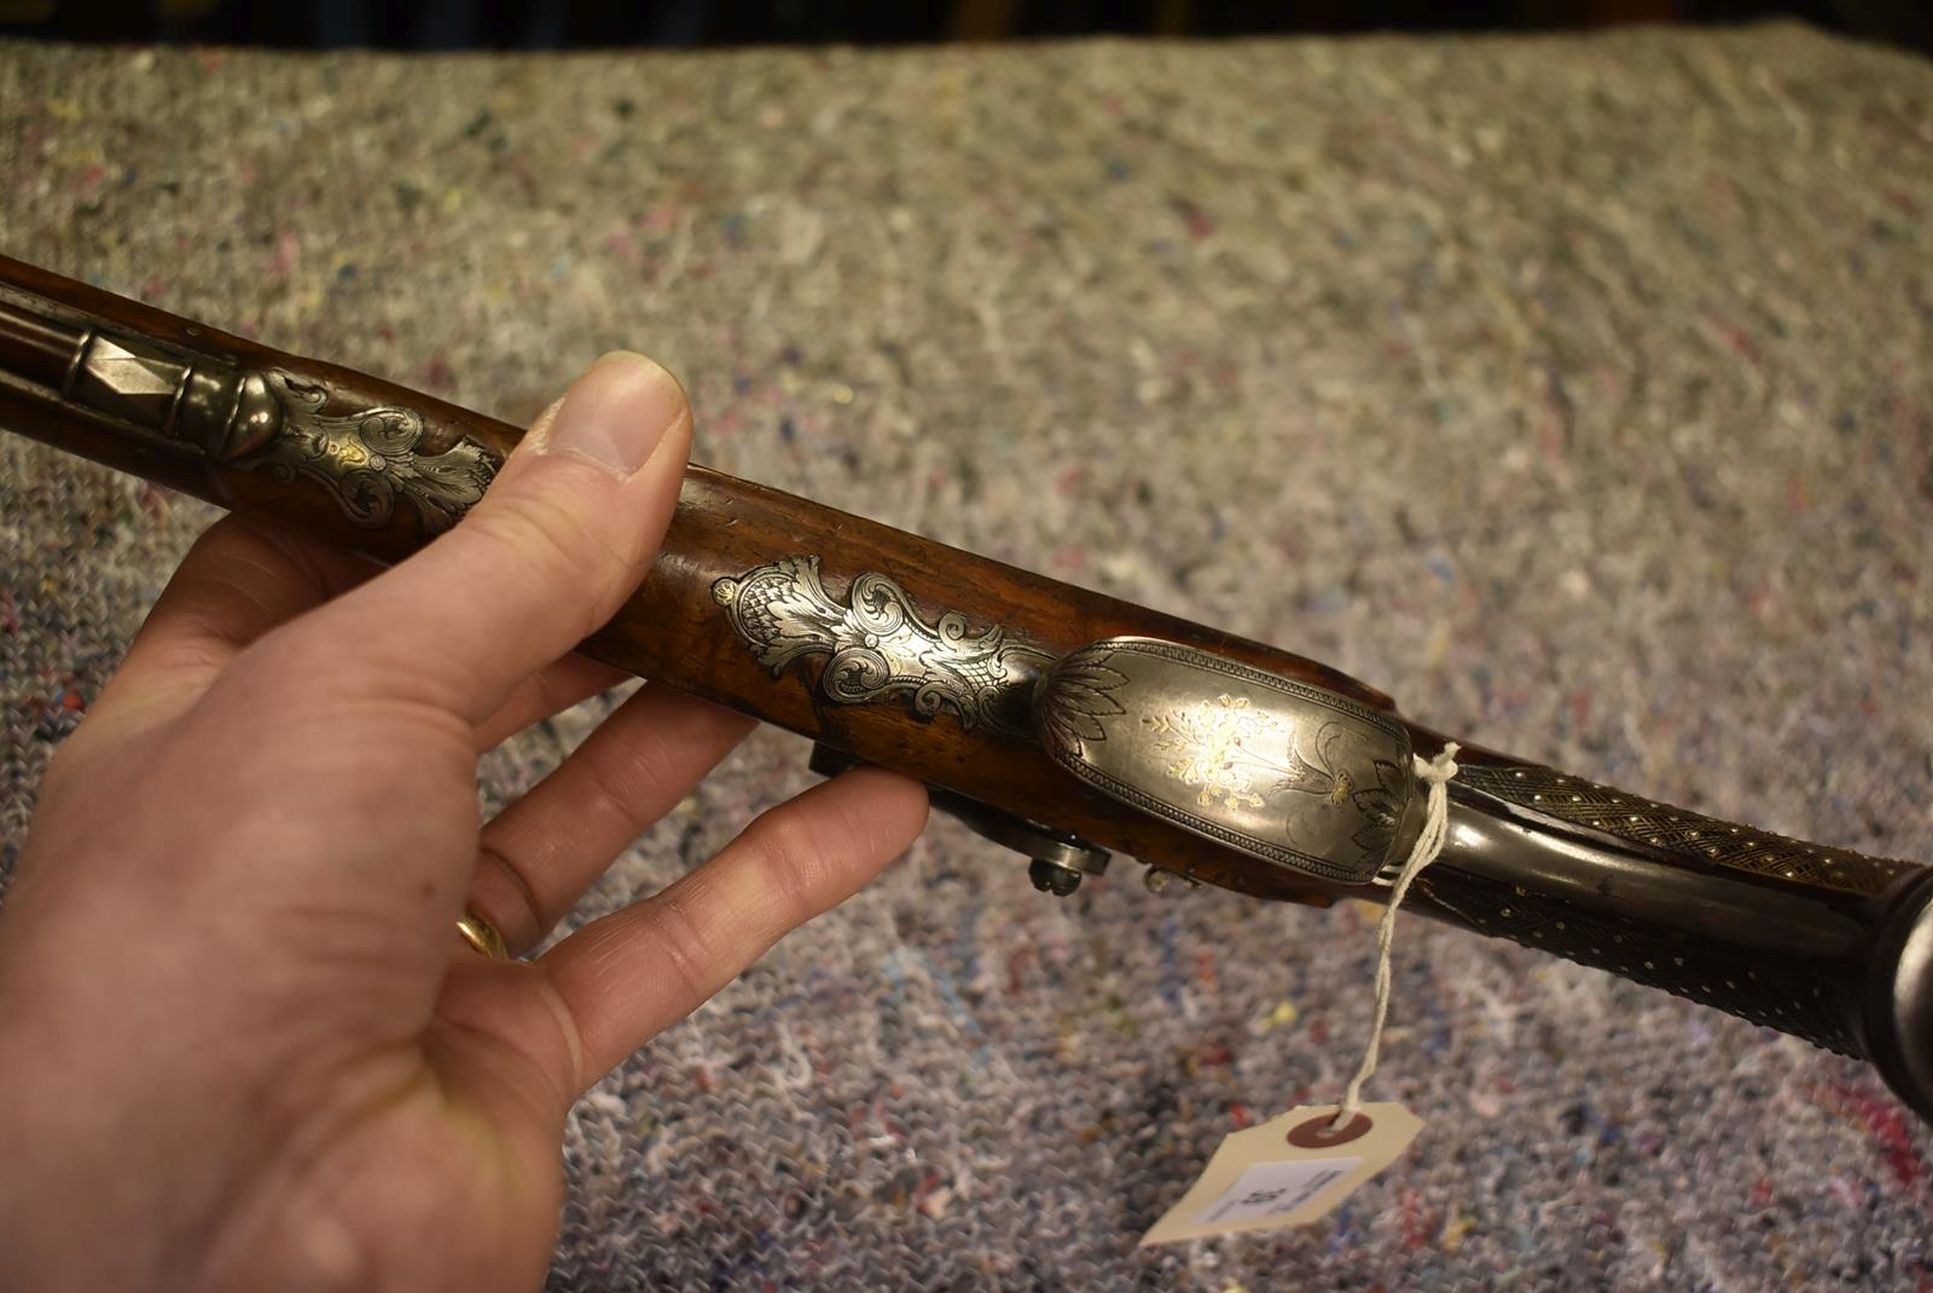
[878, 647]
[368, 459]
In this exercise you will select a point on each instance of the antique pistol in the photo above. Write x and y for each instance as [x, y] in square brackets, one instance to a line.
[1057, 721]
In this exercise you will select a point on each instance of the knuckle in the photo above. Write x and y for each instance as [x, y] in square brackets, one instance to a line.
[555, 546]
[630, 775]
[531, 533]
[792, 861]
[223, 537]
[199, 652]
[514, 907]
[688, 953]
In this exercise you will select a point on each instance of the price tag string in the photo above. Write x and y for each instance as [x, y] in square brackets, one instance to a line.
[1435, 773]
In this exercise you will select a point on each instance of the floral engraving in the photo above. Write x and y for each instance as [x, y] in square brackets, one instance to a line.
[1382, 806]
[1082, 700]
[368, 459]
[877, 646]
[1240, 755]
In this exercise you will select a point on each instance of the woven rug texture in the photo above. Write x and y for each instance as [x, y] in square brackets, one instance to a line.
[1577, 391]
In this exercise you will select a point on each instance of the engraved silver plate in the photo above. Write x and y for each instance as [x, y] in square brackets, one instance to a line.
[1294, 774]
[878, 647]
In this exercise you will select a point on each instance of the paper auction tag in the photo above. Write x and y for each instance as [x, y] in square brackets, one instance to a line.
[1289, 1171]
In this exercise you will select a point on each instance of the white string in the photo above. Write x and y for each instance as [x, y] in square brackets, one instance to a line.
[1436, 816]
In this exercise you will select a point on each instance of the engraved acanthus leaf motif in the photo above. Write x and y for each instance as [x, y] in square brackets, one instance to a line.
[1382, 804]
[368, 459]
[1082, 698]
[1710, 840]
[878, 646]
[1238, 754]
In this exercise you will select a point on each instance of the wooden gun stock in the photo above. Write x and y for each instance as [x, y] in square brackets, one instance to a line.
[1053, 718]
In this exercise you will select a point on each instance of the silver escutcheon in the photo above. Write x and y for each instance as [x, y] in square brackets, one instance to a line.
[1291, 773]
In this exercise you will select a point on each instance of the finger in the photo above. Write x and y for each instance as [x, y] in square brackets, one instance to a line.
[625, 978]
[541, 853]
[237, 582]
[551, 690]
[561, 538]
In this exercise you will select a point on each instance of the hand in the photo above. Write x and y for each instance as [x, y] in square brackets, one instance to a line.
[242, 1046]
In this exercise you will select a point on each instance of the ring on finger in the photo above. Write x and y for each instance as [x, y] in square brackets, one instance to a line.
[482, 936]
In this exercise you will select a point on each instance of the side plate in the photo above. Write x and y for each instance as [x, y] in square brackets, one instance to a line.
[1290, 773]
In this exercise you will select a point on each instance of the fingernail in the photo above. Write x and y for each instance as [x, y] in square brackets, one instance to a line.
[617, 412]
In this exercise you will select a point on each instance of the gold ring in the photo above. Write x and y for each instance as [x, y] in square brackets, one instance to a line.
[481, 935]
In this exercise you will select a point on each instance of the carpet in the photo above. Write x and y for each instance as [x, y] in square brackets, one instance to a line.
[1575, 390]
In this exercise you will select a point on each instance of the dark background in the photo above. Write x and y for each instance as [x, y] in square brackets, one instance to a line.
[458, 24]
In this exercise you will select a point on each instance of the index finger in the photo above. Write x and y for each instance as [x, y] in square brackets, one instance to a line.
[238, 582]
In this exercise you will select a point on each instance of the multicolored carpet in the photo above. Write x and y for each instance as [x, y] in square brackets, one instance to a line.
[1577, 391]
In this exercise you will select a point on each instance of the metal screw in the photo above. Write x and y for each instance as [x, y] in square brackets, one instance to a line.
[1168, 882]
[1052, 877]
